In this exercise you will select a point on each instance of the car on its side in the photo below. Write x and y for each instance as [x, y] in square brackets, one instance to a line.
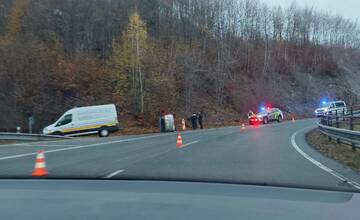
[100, 119]
[266, 116]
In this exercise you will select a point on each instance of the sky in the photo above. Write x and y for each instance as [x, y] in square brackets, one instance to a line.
[346, 8]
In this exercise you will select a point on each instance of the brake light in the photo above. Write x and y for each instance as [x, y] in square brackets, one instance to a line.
[255, 119]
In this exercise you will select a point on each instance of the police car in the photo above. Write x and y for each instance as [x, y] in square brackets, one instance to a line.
[331, 108]
[266, 115]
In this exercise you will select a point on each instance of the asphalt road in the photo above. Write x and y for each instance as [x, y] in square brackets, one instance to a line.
[274, 154]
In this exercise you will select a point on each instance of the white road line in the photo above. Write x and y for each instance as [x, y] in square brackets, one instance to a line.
[16, 156]
[55, 145]
[145, 158]
[184, 145]
[158, 154]
[113, 174]
[320, 165]
[85, 146]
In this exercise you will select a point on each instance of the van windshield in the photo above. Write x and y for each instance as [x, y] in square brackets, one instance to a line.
[65, 120]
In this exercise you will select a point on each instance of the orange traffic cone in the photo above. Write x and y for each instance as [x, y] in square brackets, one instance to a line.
[40, 165]
[179, 142]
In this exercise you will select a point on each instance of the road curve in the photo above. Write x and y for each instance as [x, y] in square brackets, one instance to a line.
[262, 155]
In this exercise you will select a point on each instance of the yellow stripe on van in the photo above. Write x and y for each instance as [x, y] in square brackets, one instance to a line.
[87, 127]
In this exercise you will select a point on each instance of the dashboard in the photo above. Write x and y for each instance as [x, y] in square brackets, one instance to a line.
[130, 199]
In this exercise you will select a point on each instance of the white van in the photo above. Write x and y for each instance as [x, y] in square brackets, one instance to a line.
[101, 119]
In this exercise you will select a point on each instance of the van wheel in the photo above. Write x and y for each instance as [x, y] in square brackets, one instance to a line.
[104, 132]
[265, 120]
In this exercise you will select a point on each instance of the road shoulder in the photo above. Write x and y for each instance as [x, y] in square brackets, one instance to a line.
[329, 165]
[336, 151]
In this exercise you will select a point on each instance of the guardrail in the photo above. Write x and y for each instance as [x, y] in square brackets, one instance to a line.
[344, 126]
[30, 137]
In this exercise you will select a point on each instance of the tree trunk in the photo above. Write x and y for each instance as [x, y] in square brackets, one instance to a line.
[140, 74]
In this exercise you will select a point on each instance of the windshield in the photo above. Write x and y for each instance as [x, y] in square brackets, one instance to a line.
[339, 104]
[171, 89]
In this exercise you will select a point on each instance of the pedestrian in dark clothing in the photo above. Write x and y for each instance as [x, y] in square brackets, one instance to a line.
[194, 120]
[200, 119]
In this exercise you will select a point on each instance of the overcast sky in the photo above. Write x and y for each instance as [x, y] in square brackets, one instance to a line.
[346, 8]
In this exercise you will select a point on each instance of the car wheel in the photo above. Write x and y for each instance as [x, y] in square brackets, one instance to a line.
[104, 132]
[265, 120]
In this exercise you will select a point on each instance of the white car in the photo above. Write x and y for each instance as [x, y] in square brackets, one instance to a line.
[320, 111]
[331, 108]
[101, 119]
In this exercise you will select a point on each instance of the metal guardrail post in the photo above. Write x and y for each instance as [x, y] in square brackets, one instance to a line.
[341, 135]
[330, 120]
[327, 120]
[337, 125]
[328, 123]
[352, 126]
[337, 119]
[351, 118]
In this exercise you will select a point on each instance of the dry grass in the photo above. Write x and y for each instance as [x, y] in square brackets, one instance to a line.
[13, 141]
[340, 152]
[347, 126]
[135, 128]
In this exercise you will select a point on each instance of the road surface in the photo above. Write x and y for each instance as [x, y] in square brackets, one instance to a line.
[274, 154]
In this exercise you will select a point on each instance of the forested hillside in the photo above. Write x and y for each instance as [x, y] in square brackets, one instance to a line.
[152, 56]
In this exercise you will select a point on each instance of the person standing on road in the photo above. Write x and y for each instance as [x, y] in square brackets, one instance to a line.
[194, 119]
[277, 116]
[200, 119]
[183, 124]
[250, 114]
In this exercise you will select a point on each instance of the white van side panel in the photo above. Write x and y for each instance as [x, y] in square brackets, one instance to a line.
[90, 118]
